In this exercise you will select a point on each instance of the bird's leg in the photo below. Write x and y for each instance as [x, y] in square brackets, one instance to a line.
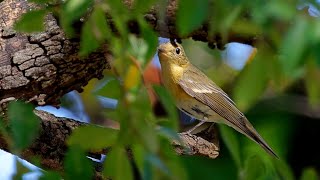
[194, 128]
[211, 127]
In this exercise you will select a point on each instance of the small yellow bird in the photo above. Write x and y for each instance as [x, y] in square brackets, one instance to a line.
[199, 97]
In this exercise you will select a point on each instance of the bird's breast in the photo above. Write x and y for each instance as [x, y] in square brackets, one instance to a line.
[171, 74]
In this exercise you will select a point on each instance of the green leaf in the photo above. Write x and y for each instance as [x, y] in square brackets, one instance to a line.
[120, 16]
[254, 168]
[117, 165]
[72, 11]
[283, 169]
[24, 124]
[50, 175]
[142, 6]
[93, 137]
[168, 133]
[77, 165]
[316, 53]
[138, 154]
[312, 78]
[138, 48]
[251, 84]
[191, 14]
[232, 141]
[157, 162]
[168, 104]
[309, 174]
[206, 168]
[32, 21]
[281, 10]
[112, 89]
[94, 32]
[150, 38]
[293, 47]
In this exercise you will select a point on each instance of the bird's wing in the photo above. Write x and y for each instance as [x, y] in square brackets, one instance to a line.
[199, 86]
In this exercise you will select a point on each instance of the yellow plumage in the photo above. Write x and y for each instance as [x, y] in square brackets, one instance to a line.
[198, 96]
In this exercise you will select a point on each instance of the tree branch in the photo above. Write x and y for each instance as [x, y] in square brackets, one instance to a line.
[51, 146]
[42, 67]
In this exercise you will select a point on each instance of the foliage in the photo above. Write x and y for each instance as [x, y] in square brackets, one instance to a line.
[287, 53]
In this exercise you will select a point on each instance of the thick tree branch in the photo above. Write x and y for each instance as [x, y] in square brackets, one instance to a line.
[42, 67]
[51, 146]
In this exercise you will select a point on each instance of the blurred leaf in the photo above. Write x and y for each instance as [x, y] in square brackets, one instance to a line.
[251, 84]
[142, 122]
[316, 52]
[94, 32]
[246, 28]
[111, 89]
[309, 174]
[120, 16]
[254, 168]
[117, 165]
[283, 169]
[232, 141]
[281, 9]
[168, 133]
[191, 14]
[293, 46]
[118, 8]
[141, 6]
[312, 78]
[77, 165]
[168, 104]
[177, 168]
[138, 48]
[73, 10]
[230, 19]
[32, 21]
[50, 175]
[24, 124]
[157, 162]
[151, 40]
[276, 128]
[206, 168]
[132, 78]
[138, 154]
[93, 137]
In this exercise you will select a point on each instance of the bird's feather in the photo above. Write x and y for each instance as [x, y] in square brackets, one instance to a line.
[199, 86]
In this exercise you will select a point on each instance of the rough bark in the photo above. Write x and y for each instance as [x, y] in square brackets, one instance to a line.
[51, 146]
[41, 67]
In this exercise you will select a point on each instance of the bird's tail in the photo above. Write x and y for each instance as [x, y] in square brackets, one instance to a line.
[250, 132]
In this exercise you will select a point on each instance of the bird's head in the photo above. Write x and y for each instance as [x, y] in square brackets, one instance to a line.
[172, 52]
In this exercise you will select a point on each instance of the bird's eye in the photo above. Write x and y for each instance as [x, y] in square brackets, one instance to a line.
[178, 50]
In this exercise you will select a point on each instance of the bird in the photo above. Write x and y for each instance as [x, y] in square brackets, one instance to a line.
[199, 97]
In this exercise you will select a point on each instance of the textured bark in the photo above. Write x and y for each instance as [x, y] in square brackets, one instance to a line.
[166, 28]
[42, 67]
[51, 146]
